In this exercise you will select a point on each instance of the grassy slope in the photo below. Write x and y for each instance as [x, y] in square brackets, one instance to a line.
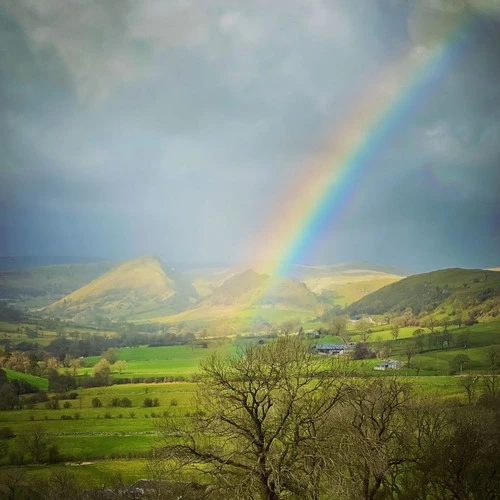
[249, 295]
[170, 361]
[426, 292]
[134, 287]
[41, 383]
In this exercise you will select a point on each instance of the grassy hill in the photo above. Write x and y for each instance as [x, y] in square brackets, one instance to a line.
[135, 287]
[474, 290]
[259, 292]
[339, 284]
[343, 284]
[40, 286]
[207, 280]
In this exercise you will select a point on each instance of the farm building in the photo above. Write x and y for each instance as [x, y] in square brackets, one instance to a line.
[391, 364]
[332, 348]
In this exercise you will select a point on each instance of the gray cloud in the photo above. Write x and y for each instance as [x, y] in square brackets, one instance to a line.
[130, 125]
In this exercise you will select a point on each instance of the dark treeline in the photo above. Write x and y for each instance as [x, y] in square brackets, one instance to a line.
[85, 345]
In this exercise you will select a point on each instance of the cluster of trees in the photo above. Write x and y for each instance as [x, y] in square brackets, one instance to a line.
[12, 390]
[279, 422]
[64, 347]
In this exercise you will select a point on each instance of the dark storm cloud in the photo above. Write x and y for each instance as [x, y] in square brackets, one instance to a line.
[174, 127]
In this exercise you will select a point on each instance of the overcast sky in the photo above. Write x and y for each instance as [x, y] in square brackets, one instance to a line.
[176, 127]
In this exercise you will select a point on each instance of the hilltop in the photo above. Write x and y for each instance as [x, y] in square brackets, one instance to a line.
[342, 284]
[250, 289]
[337, 284]
[132, 288]
[474, 290]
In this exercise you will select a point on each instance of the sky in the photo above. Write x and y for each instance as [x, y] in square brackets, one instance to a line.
[178, 127]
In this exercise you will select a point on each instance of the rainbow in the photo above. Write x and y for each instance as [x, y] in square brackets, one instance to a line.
[330, 179]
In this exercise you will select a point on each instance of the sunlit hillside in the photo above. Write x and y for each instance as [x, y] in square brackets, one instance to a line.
[133, 287]
[259, 292]
[474, 290]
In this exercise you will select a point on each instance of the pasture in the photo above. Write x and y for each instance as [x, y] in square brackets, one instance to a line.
[113, 439]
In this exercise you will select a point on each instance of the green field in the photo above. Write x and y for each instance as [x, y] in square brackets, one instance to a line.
[42, 384]
[116, 440]
[157, 362]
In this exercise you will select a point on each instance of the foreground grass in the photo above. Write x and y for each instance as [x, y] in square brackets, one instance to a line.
[91, 474]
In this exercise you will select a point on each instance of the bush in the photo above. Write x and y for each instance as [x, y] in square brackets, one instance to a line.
[173, 402]
[67, 405]
[96, 403]
[108, 415]
[148, 403]
[38, 397]
[126, 402]
[53, 404]
[115, 402]
[6, 433]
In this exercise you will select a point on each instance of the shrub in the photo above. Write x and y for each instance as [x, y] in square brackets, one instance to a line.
[115, 402]
[6, 433]
[67, 405]
[53, 404]
[173, 402]
[126, 402]
[148, 403]
[108, 415]
[96, 403]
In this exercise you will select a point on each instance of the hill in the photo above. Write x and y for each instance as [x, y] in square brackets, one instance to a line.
[475, 290]
[139, 286]
[338, 284]
[40, 286]
[343, 284]
[22, 263]
[251, 290]
[207, 280]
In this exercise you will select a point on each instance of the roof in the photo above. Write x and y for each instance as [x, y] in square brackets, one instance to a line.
[332, 347]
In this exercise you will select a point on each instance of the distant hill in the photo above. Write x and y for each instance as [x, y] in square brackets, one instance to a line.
[469, 289]
[303, 272]
[22, 263]
[250, 289]
[135, 287]
[338, 284]
[40, 286]
[206, 280]
[342, 284]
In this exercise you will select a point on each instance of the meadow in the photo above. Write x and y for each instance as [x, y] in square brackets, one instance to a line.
[100, 441]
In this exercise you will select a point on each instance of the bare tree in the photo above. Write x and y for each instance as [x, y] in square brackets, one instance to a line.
[369, 443]
[338, 327]
[395, 330]
[469, 385]
[258, 418]
[363, 328]
[410, 350]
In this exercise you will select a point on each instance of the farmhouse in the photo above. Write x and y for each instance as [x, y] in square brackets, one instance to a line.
[331, 349]
[391, 364]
